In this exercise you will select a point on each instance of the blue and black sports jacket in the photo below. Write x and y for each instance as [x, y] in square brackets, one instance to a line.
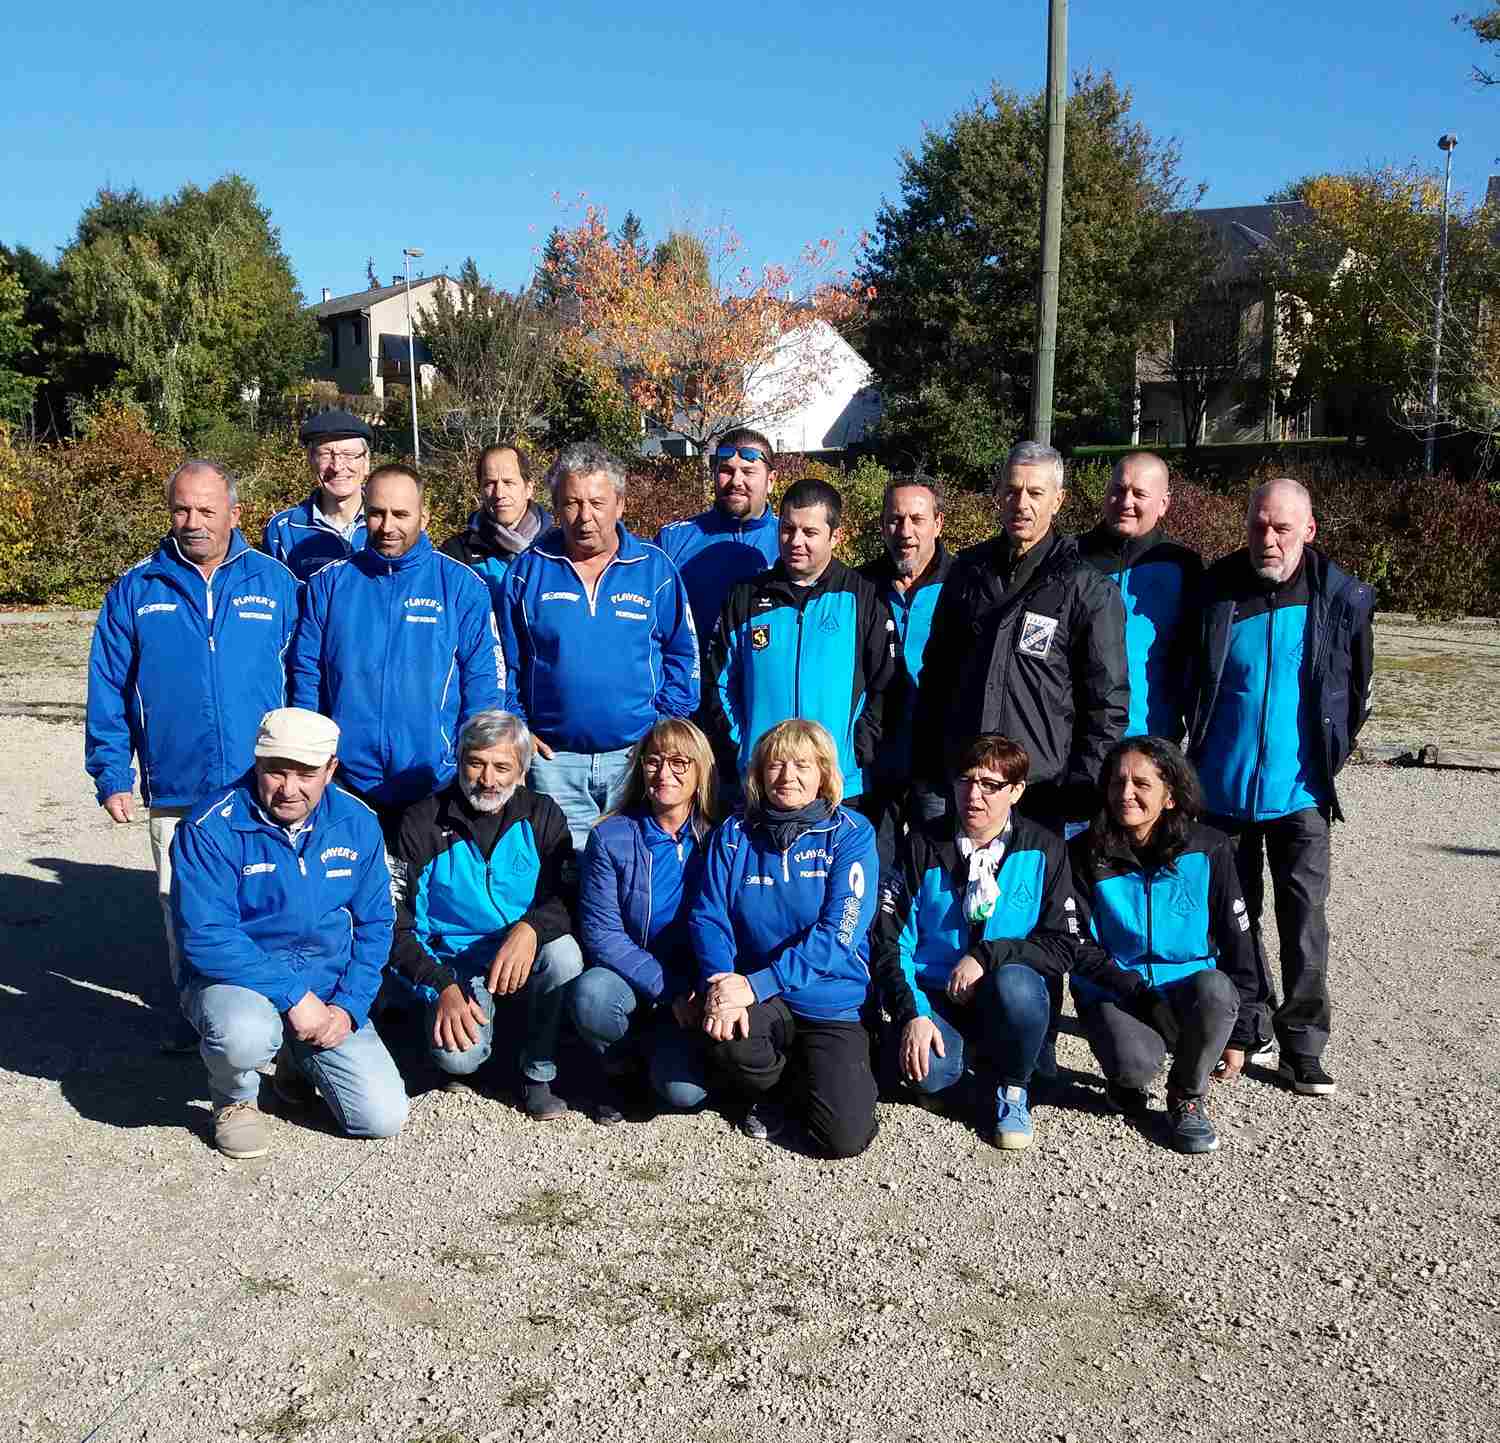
[284, 916]
[1164, 923]
[1158, 580]
[490, 563]
[1283, 685]
[921, 933]
[300, 538]
[714, 552]
[400, 653]
[825, 652]
[794, 922]
[181, 671]
[464, 878]
[594, 673]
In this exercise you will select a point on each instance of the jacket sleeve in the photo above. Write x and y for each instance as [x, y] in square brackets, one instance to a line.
[1101, 678]
[548, 914]
[1229, 928]
[305, 656]
[1361, 671]
[893, 937]
[112, 664]
[481, 660]
[681, 662]
[1184, 661]
[268, 540]
[206, 914]
[373, 918]
[950, 635]
[710, 925]
[1051, 947]
[411, 952]
[511, 625]
[722, 707]
[833, 943]
[884, 677]
[601, 922]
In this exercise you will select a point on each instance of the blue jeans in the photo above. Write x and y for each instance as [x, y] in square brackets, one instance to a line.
[585, 785]
[1007, 1019]
[606, 1009]
[240, 1031]
[556, 965]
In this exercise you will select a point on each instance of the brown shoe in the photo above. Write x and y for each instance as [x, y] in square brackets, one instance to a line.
[240, 1131]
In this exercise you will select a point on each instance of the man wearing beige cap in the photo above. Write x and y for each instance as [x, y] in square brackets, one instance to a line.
[281, 899]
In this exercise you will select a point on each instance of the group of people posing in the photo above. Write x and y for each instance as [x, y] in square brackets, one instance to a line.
[763, 828]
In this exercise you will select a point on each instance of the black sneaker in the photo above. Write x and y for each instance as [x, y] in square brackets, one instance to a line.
[540, 1102]
[1306, 1075]
[763, 1122]
[1189, 1129]
[1132, 1101]
[607, 1112]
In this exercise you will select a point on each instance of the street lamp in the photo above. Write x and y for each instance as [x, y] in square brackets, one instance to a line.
[410, 254]
[1445, 144]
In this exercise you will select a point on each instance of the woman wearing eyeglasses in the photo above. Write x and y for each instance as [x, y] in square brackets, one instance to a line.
[978, 913]
[641, 869]
[779, 932]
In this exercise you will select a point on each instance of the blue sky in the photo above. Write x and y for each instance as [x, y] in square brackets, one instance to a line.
[450, 126]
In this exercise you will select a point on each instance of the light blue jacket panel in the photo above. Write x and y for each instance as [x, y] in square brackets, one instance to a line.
[713, 552]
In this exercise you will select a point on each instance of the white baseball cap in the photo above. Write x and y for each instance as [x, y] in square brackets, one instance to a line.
[297, 735]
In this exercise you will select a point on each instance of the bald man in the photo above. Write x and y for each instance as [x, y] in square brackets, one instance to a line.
[1158, 580]
[1285, 656]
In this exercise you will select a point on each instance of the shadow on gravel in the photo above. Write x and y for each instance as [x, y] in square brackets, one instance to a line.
[1465, 851]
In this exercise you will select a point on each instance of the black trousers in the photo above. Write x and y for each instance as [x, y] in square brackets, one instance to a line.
[1297, 848]
[826, 1066]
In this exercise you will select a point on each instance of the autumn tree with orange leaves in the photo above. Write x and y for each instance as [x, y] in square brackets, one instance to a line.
[701, 347]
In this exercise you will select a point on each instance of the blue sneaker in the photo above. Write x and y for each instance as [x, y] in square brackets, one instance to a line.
[1012, 1119]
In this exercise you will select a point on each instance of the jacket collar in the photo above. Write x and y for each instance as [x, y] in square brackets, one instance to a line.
[248, 816]
[312, 513]
[697, 824]
[372, 563]
[1103, 544]
[482, 828]
[882, 570]
[715, 522]
[550, 545]
[776, 579]
[170, 561]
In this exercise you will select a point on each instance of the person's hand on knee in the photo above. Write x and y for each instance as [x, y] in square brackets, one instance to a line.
[920, 1038]
[459, 1020]
[308, 1018]
[511, 969]
[966, 975]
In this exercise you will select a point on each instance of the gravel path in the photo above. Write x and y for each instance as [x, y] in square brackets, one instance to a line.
[1330, 1275]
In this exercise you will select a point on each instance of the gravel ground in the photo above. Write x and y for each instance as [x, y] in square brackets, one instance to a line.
[1330, 1274]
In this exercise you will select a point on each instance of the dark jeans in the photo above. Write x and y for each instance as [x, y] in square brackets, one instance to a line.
[1297, 847]
[826, 1065]
[1131, 1048]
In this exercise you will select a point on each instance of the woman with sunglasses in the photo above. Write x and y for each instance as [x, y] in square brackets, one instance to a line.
[977, 914]
[641, 870]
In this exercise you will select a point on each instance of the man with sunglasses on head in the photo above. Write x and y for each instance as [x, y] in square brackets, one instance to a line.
[736, 538]
[330, 524]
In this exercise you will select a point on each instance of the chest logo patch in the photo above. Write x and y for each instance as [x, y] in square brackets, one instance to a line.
[760, 638]
[1036, 634]
[829, 624]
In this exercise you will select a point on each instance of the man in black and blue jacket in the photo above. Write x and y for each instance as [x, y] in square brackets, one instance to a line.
[1285, 657]
[809, 638]
[506, 521]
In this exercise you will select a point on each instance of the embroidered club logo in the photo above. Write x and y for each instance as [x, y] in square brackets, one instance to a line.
[1036, 634]
[829, 624]
[760, 638]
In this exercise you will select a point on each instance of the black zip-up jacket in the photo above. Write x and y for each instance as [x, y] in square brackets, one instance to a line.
[463, 878]
[1041, 661]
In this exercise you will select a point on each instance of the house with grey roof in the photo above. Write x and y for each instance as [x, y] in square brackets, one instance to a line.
[364, 337]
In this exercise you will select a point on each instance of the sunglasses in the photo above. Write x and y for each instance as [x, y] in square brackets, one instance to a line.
[745, 453]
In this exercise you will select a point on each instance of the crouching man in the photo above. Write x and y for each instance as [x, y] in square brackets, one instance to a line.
[482, 875]
[281, 898]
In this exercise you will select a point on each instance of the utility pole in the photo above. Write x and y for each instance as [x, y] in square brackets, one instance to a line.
[1445, 144]
[408, 255]
[1057, 120]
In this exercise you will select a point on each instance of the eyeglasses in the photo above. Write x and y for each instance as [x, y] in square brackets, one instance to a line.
[655, 762]
[988, 785]
[345, 458]
[745, 453]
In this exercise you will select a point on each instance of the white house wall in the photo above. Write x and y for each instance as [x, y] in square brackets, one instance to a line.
[840, 410]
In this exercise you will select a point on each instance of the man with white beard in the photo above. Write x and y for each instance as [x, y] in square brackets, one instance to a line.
[482, 872]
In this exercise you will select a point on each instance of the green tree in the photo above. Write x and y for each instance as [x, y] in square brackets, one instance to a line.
[552, 284]
[684, 253]
[954, 265]
[631, 236]
[17, 385]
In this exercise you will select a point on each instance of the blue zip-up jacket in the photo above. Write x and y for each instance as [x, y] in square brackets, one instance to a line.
[254, 907]
[181, 671]
[300, 538]
[463, 878]
[921, 933]
[912, 611]
[1283, 685]
[794, 921]
[826, 652]
[491, 563]
[1159, 580]
[400, 654]
[1164, 923]
[595, 673]
[714, 552]
[617, 905]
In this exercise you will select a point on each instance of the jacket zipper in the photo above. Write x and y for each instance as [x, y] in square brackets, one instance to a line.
[1265, 709]
[1150, 970]
[797, 666]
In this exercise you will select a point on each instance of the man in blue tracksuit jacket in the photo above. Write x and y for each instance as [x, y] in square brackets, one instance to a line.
[598, 637]
[1285, 658]
[330, 524]
[397, 645]
[282, 902]
[1158, 580]
[506, 522]
[809, 638]
[189, 653]
[736, 538]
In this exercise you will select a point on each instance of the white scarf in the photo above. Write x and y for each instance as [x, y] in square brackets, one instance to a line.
[983, 891]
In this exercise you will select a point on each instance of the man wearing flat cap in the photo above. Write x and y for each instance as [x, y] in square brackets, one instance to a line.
[330, 524]
[282, 904]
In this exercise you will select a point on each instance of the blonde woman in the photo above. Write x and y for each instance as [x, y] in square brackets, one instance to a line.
[641, 869]
[779, 932]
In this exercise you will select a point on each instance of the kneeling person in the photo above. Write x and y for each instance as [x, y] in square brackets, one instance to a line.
[482, 871]
[282, 904]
